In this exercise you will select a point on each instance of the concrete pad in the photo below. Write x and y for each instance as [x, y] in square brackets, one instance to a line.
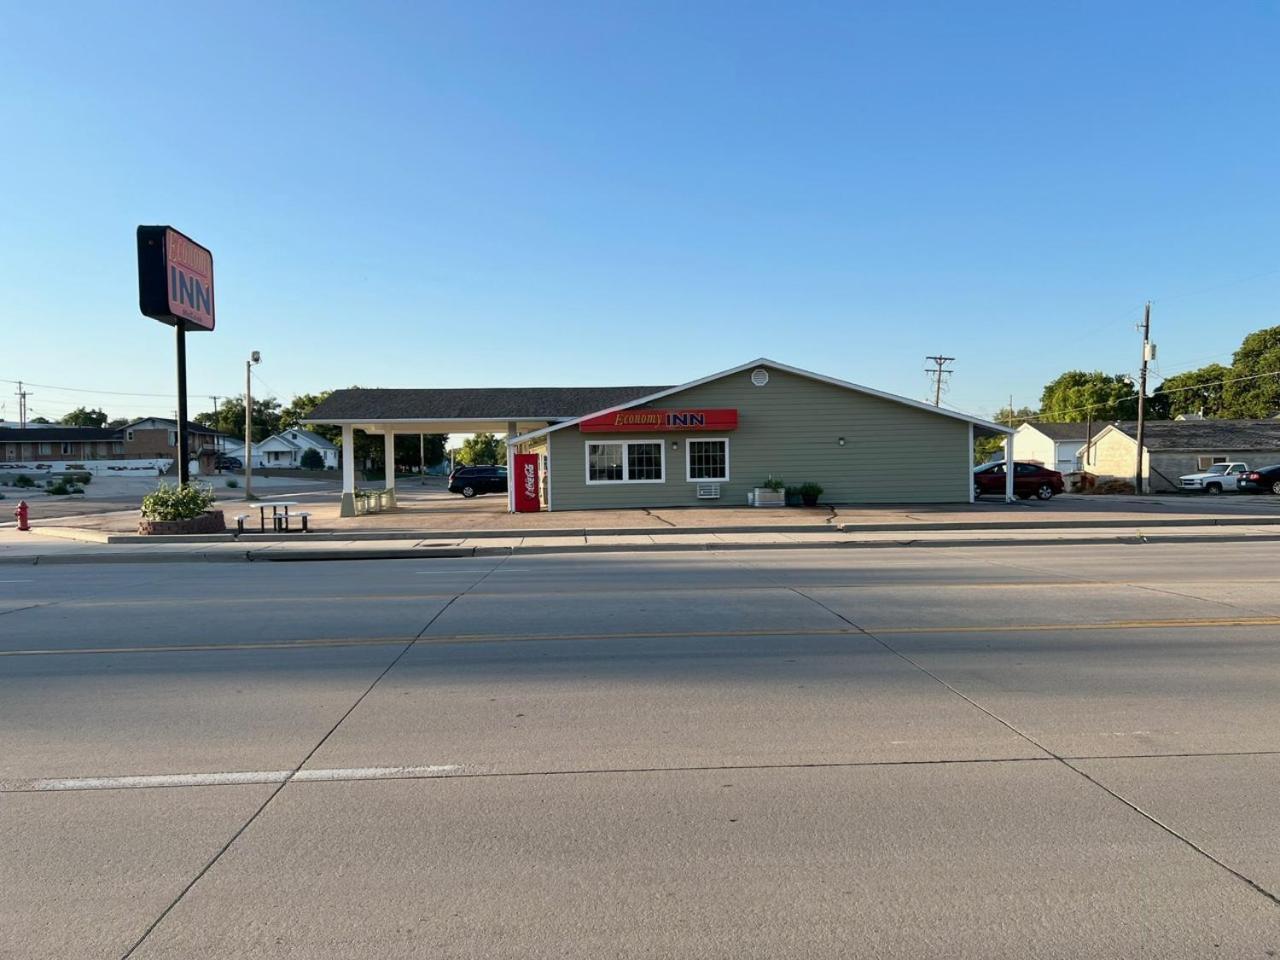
[622, 541]
[103, 715]
[84, 875]
[1108, 692]
[637, 607]
[674, 702]
[987, 861]
[1225, 805]
[901, 607]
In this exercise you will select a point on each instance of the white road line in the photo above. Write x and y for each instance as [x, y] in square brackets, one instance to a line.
[224, 779]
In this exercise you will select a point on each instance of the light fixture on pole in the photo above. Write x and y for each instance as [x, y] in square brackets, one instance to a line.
[254, 357]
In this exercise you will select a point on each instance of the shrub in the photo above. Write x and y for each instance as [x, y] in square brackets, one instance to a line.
[22, 480]
[773, 483]
[809, 493]
[232, 482]
[62, 489]
[170, 502]
[84, 479]
[312, 459]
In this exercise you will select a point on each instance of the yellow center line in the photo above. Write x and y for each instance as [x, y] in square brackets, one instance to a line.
[466, 638]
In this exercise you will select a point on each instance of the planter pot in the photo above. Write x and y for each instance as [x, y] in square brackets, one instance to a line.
[794, 500]
[211, 522]
[764, 497]
[809, 501]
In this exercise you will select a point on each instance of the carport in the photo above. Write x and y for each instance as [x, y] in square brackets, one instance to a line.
[508, 411]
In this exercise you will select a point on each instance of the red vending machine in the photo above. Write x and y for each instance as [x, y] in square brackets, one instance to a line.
[526, 481]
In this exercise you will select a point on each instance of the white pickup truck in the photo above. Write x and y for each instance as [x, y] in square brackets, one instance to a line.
[1219, 478]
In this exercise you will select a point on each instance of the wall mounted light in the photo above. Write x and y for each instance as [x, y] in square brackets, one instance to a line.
[840, 441]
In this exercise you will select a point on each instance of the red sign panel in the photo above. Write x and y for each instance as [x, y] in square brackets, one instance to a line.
[660, 421]
[526, 481]
[190, 269]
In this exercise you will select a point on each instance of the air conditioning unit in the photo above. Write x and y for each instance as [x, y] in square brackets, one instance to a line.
[708, 491]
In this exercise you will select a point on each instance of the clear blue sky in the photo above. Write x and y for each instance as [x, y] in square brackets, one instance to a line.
[503, 194]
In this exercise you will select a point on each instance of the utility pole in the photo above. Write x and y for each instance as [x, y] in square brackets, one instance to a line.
[938, 372]
[22, 405]
[1148, 353]
[254, 357]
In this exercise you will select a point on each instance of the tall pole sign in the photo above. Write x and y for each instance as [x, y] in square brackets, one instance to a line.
[175, 286]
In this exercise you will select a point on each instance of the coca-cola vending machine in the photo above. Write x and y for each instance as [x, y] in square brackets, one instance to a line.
[526, 480]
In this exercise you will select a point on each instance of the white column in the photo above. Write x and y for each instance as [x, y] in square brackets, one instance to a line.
[389, 464]
[969, 472]
[348, 508]
[1009, 467]
[511, 469]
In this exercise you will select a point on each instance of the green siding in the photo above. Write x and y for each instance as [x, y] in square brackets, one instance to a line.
[893, 453]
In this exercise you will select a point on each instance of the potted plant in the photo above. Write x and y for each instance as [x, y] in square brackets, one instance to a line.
[809, 493]
[793, 497]
[171, 509]
[771, 493]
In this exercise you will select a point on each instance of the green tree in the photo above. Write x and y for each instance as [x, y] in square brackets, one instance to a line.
[1259, 359]
[1194, 391]
[483, 448]
[985, 447]
[312, 459]
[230, 418]
[300, 407]
[39, 420]
[81, 417]
[1077, 395]
[118, 422]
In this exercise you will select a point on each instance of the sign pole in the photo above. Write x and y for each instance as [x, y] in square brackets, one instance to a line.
[183, 454]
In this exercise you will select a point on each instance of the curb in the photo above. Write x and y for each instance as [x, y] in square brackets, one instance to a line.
[410, 553]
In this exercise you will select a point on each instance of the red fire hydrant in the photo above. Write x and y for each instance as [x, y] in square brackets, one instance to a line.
[21, 513]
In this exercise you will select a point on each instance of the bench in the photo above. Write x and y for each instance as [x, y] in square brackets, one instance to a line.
[240, 519]
[305, 516]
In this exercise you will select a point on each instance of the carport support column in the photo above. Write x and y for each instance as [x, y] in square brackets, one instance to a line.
[1008, 468]
[348, 508]
[511, 469]
[389, 465]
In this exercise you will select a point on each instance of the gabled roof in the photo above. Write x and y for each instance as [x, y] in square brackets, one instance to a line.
[1204, 435]
[307, 437]
[358, 405]
[1065, 432]
[773, 364]
[192, 426]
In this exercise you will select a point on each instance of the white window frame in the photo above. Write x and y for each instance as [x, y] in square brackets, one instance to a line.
[687, 466]
[626, 463]
[68, 449]
[128, 435]
[1212, 458]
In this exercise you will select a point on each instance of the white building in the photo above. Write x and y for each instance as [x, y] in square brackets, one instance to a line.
[285, 450]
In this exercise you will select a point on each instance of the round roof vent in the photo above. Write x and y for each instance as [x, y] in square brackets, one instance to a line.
[759, 376]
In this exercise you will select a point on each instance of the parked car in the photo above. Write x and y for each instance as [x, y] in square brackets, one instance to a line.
[1029, 480]
[1262, 480]
[225, 461]
[1219, 478]
[484, 478]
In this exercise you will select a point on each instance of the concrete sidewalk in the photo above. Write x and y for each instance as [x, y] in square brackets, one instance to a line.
[28, 549]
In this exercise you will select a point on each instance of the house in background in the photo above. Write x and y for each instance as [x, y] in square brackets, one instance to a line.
[50, 443]
[157, 437]
[1176, 447]
[1057, 446]
[284, 450]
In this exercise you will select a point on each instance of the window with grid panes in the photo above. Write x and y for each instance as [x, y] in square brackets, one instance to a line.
[708, 459]
[644, 461]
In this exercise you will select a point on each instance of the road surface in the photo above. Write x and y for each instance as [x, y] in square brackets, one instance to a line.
[988, 753]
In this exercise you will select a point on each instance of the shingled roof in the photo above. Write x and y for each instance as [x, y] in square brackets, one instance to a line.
[1063, 432]
[1206, 435]
[484, 403]
[43, 434]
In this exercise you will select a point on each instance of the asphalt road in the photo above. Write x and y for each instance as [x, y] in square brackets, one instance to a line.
[989, 753]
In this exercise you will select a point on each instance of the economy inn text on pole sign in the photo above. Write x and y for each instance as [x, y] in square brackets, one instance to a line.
[175, 286]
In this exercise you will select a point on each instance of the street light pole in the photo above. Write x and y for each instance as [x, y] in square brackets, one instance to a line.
[254, 357]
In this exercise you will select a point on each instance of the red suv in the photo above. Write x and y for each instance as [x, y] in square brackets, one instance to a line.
[1029, 480]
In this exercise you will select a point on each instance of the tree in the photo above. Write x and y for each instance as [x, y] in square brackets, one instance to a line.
[1077, 395]
[312, 459]
[38, 420]
[118, 422]
[300, 407]
[230, 418]
[1195, 391]
[1259, 359]
[80, 417]
[985, 448]
[483, 448]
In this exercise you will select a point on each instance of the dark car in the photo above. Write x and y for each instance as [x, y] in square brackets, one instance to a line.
[1029, 480]
[227, 462]
[470, 481]
[1262, 480]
